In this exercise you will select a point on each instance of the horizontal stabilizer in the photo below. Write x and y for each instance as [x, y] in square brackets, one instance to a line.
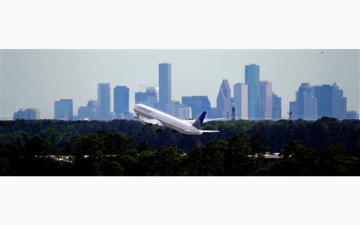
[209, 131]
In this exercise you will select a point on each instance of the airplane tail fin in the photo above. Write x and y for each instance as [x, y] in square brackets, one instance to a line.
[199, 120]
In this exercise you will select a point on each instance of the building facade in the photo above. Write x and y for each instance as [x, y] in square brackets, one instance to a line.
[224, 100]
[293, 112]
[198, 104]
[264, 109]
[313, 102]
[27, 114]
[104, 100]
[63, 109]
[276, 105]
[164, 85]
[252, 79]
[149, 98]
[152, 96]
[121, 101]
[307, 102]
[140, 98]
[331, 101]
[323, 94]
[352, 115]
[173, 107]
[90, 112]
[339, 102]
[185, 113]
[241, 101]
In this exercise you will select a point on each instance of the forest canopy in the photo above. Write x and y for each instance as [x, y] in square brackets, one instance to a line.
[323, 147]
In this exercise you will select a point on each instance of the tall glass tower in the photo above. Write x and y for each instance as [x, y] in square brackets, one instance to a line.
[265, 101]
[276, 105]
[252, 78]
[224, 100]
[164, 85]
[104, 100]
[339, 102]
[198, 104]
[63, 109]
[121, 100]
[324, 100]
[241, 101]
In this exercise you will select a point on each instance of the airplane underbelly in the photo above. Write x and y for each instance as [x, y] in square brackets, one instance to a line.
[183, 130]
[142, 114]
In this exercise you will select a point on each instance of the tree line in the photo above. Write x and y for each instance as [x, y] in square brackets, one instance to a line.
[323, 147]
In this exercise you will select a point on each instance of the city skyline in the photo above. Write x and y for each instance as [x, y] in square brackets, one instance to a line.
[189, 77]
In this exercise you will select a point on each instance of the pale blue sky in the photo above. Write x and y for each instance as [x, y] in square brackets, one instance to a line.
[36, 78]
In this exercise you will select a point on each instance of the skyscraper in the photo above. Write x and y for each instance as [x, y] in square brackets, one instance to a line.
[331, 101]
[148, 98]
[352, 115]
[264, 109]
[324, 100]
[314, 102]
[252, 78]
[293, 113]
[152, 97]
[185, 113]
[339, 102]
[140, 98]
[63, 109]
[241, 101]
[173, 107]
[307, 103]
[91, 111]
[276, 105]
[224, 100]
[164, 85]
[27, 114]
[198, 104]
[121, 100]
[104, 100]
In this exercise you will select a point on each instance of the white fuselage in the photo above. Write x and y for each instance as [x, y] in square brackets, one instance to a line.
[166, 119]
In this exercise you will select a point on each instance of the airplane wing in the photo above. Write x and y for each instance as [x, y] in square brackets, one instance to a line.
[152, 122]
[205, 120]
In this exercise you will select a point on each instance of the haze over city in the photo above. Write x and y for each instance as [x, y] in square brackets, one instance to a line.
[36, 78]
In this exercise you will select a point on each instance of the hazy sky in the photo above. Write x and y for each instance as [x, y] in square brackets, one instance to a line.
[36, 78]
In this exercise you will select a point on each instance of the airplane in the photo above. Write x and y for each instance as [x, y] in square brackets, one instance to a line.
[156, 117]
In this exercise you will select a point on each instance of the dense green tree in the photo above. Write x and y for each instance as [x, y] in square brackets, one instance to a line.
[297, 160]
[304, 161]
[258, 148]
[9, 159]
[113, 168]
[145, 163]
[334, 161]
[5, 166]
[258, 144]
[207, 160]
[5, 161]
[142, 147]
[237, 160]
[37, 147]
[165, 161]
